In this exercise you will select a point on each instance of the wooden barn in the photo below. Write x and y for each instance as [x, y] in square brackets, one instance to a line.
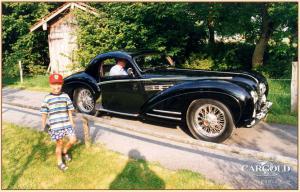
[61, 26]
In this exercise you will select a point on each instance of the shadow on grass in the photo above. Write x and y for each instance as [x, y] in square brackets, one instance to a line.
[137, 175]
[38, 150]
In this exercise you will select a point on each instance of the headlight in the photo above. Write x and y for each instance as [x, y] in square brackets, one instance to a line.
[262, 88]
[254, 96]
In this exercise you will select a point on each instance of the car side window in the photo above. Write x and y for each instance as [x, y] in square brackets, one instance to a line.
[106, 66]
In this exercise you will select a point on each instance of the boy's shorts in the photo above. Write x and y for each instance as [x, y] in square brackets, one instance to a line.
[61, 133]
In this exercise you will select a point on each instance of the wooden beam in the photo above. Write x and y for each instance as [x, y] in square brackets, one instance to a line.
[52, 15]
[86, 9]
[40, 23]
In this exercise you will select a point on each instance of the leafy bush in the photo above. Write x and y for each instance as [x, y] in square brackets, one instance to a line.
[36, 69]
[198, 61]
[221, 56]
[17, 42]
[279, 60]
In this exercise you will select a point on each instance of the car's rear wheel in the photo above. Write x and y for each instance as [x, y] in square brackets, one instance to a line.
[209, 120]
[84, 100]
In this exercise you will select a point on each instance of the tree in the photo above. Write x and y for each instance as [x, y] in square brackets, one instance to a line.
[266, 30]
[17, 42]
[184, 30]
[278, 21]
[166, 27]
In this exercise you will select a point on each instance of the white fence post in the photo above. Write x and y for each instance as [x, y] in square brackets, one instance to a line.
[21, 71]
[294, 87]
[86, 130]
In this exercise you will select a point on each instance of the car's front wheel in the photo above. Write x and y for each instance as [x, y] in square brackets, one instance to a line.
[209, 120]
[84, 100]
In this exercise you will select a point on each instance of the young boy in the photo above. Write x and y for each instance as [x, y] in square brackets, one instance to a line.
[58, 107]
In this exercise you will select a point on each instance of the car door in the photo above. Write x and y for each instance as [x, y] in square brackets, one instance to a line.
[123, 94]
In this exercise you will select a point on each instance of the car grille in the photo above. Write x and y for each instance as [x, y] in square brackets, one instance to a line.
[260, 103]
[262, 99]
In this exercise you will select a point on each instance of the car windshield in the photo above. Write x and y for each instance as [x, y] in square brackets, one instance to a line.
[152, 61]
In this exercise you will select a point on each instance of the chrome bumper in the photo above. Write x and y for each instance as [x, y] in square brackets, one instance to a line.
[262, 114]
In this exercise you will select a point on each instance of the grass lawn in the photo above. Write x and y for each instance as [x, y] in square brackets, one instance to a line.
[34, 83]
[280, 95]
[28, 162]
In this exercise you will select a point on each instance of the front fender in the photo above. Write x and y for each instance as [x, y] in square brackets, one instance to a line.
[80, 80]
[178, 97]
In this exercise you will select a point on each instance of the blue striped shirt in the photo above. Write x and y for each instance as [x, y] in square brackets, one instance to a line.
[57, 107]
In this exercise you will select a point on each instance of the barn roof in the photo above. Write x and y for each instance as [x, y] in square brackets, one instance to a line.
[54, 14]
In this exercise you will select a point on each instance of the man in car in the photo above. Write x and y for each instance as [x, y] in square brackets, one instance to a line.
[119, 68]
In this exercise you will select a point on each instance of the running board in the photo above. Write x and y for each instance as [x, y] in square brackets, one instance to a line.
[163, 116]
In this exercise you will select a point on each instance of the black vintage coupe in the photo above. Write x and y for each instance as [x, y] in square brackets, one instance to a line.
[210, 103]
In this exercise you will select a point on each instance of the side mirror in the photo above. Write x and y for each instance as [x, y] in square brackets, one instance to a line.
[130, 72]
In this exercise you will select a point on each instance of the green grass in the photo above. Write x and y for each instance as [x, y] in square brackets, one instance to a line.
[280, 95]
[28, 162]
[34, 83]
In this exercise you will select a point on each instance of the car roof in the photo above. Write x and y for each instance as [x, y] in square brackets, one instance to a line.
[142, 52]
[126, 54]
[122, 54]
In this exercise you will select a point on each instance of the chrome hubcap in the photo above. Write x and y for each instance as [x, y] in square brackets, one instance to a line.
[85, 101]
[209, 120]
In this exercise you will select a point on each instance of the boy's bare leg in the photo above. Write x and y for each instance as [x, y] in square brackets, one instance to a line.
[72, 141]
[59, 147]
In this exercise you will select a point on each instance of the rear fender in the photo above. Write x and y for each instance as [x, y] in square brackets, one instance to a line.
[179, 97]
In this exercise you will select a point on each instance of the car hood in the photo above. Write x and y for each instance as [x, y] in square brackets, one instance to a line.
[249, 78]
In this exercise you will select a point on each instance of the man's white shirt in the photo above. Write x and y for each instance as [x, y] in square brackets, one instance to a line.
[117, 70]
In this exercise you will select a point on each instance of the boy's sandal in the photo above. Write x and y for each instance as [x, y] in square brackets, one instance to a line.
[67, 157]
[62, 167]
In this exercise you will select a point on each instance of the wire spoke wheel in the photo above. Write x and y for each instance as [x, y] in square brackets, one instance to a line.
[209, 120]
[85, 101]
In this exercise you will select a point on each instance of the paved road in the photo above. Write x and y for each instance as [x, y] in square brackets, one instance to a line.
[264, 137]
[222, 167]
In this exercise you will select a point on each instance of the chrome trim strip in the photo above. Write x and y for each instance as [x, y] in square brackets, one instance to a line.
[119, 80]
[161, 79]
[170, 112]
[119, 113]
[162, 116]
[157, 87]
